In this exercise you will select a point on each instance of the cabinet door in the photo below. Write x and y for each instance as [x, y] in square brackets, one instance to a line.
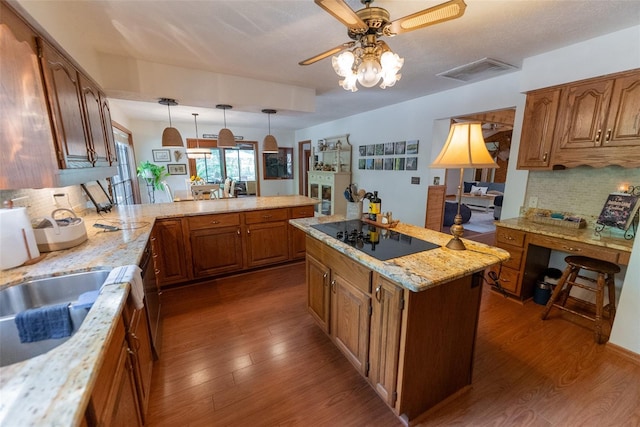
[94, 123]
[538, 128]
[123, 408]
[25, 130]
[623, 125]
[216, 250]
[167, 244]
[65, 103]
[350, 317]
[267, 243]
[318, 276]
[585, 110]
[386, 320]
[108, 130]
[141, 357]
[297, 237]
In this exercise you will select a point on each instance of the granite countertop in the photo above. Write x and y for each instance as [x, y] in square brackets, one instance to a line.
[419, 271]
[607, 238]
[54, 388]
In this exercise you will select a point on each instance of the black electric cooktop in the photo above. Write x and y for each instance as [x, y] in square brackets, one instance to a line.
[380, 243]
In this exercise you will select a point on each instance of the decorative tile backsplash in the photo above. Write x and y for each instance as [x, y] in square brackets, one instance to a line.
[581, 190]
[40, 202]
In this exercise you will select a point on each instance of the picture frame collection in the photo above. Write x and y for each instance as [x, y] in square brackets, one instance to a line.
[397, 156]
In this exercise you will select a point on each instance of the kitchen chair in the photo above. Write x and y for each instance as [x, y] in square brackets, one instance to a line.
[167, 191]
[605, 277]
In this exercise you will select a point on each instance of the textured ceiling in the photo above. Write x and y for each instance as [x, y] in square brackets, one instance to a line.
[265, 40]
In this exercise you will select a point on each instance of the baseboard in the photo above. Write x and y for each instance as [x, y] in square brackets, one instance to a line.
[627, 354]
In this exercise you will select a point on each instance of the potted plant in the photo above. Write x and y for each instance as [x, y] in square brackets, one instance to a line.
[152, 173]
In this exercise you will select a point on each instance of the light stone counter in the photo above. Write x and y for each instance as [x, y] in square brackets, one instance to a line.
[419, 271]
[53, 389]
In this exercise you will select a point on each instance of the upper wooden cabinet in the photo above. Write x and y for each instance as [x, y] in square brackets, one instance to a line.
[593, 122]
[538, 128]
[51, 113]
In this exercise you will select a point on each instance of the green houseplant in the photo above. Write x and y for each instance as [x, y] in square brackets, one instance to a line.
[152, 173]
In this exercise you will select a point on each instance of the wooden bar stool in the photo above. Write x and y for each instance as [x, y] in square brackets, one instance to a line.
[605, 277]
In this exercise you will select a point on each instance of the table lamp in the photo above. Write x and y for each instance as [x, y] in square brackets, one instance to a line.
[464, 148]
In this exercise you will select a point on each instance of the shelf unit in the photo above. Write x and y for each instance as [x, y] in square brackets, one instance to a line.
[330, 174]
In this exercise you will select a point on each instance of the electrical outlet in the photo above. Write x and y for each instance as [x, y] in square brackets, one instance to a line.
[533, 202]
[21, 202]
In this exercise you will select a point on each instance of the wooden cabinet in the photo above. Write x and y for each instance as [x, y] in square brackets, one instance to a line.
[434, 217]
[386, 320]
[52, 113]
[538, 129]
[23, 109]
[139, 342]
[328, 188]
[297, 237]
[318, 278]
[414, 348]
[169, 254]
[267, 237]
[215, 244]
[592, 122]
[114, 400]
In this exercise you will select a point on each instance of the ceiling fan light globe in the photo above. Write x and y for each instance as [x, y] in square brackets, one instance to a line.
[391, 61]
[349, 82]
[343, 63]
[369, 72]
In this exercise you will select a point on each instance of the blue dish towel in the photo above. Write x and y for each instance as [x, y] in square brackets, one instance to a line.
[37, 324]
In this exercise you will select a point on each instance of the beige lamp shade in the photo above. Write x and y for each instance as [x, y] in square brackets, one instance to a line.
[269, 145]
[226, 139]
[465, 148]
[171, 138]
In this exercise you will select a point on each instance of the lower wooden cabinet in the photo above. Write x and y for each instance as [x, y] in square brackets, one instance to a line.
[414, 348]
[139, 341]
[202, 246]
[386, 319]
[350, 315]
[169, 254]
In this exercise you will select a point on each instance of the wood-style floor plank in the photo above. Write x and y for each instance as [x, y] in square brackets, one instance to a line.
[243, 351]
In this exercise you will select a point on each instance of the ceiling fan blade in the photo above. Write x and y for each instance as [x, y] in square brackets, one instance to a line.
[343, 13]
[328, 53]
[434, 15]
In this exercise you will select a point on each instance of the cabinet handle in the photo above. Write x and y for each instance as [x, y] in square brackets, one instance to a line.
[130, 352]
[544, 157]
[607, 138]
[157, 271]
[215, 222]
[333, 286]
[378, 292]
[248, 231]
[266, 216]
[598, 134]
[136, 339]
[324, 278]
[153, 238]
[572, 249]
[238, 231]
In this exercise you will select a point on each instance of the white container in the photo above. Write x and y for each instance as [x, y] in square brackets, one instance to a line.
[17, 241]
[51, 236]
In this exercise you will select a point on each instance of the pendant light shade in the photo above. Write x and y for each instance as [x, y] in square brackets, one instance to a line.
[197, 152]
[225, 136]
[170, 136]
[269, 145]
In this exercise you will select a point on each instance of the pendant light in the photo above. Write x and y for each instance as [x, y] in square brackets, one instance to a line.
[269, 145]
[197, 152]
[225, 136]
[170, 136]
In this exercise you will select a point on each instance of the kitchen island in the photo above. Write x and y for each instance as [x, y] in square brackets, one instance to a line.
[55, 388]
[408, 323]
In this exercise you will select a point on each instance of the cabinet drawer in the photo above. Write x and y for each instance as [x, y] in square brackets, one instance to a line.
[510, 237]
[576, 248]
[355, 273]
[516, 256]
[214, 221]
[301, 212]
[508, 278]
[267, 215]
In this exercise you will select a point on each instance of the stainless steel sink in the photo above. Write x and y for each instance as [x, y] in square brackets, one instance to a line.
[40, 293]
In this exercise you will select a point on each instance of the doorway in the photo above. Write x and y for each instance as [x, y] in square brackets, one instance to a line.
[124, 188]
[304, 154]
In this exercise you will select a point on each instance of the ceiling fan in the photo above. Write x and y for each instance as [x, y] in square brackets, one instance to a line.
[372, 59]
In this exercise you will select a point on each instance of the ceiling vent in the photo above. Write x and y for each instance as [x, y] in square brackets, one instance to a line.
[478, 70]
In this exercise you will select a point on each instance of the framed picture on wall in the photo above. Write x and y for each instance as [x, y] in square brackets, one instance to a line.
[412, 147]
[161, 155]
[177, 168]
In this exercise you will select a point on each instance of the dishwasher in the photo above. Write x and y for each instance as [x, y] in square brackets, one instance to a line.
[152, 300]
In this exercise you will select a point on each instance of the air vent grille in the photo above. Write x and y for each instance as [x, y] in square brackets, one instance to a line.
[477, 70]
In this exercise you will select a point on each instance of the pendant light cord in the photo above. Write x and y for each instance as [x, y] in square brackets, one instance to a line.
[195, 116]
[169, 110]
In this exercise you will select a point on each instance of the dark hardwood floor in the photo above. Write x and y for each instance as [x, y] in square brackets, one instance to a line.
[243, 351]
